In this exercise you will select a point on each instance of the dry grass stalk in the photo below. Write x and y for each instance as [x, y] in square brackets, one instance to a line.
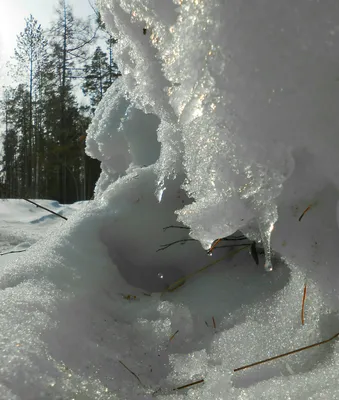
[190, 384]
[171, 338]
[12, 252]
[181, 281]
[167, 245]
[213, 245]
[133, 373]
[175, 285]
[287, 354]
[307, 209]
[174, 227]
[214, 324]
[128, 296]
[303, 306]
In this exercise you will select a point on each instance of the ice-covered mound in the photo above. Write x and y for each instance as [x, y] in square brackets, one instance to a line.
[240, 91]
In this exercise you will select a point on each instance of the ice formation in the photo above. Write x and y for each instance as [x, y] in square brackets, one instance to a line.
[226, 111]
[234, 89]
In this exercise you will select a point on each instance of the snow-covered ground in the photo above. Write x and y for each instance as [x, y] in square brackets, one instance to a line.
[22, 224]
[225, 120]
[69, 320]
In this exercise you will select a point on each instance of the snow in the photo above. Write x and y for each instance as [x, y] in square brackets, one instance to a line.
[224, 121]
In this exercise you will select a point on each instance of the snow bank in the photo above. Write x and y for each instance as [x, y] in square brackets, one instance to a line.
[84, 300]
[241, 98]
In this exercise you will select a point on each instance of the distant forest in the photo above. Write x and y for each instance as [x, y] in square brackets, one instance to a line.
[43, 124]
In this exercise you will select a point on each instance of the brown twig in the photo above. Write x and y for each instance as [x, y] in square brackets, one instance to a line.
[307, 209]
[13, 251]
[190, 384]
[133, 373]
[171, 338]
[303, 306]
[46, 209]
[287, 354]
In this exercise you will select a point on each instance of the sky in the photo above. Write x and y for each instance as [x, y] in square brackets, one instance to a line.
[12, 20]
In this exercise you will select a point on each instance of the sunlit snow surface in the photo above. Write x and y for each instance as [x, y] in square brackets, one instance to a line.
[242, 97]
[68, 319]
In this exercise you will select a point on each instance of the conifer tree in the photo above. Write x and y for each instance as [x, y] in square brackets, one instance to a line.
[30, 56]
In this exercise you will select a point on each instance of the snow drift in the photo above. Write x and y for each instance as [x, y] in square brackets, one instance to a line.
[225, 121]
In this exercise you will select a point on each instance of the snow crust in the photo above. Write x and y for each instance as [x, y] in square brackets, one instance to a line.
[226, 112]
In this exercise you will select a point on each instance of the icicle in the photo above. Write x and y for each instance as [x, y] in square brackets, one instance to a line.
[160, 191]
[266, 225]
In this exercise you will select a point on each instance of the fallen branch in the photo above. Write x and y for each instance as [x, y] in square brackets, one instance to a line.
[133, 373]
[46, 209]
[303, 306]
[287, 354]
[13, 251]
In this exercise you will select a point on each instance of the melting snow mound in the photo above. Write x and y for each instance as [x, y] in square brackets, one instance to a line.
[223, 122]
